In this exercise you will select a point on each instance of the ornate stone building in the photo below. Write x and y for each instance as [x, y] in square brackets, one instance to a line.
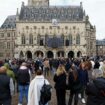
[7, 38]
[53, 31]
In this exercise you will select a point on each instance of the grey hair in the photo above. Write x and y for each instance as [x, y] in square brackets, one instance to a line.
[97, 73]
[24, 64]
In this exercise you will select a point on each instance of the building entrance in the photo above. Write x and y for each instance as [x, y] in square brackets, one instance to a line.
[50, 54]
[71, 54]
[29, 55]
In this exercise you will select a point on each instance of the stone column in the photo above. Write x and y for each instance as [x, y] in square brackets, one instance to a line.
[66, 54]
[54, 52]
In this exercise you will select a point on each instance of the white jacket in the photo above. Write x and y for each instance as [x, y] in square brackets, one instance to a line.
[34, 90]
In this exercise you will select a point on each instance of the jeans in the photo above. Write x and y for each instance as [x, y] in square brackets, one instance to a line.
[23, 91]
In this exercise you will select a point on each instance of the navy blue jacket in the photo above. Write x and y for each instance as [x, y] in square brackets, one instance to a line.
[83, 76]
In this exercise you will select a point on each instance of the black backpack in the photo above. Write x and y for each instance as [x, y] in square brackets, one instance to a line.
[45, 94]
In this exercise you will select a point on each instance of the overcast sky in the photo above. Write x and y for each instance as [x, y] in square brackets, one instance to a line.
[94, 8]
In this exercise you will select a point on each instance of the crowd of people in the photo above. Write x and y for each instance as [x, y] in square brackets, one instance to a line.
[84, 78]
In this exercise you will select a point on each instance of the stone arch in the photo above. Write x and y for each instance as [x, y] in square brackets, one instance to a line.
[79, 54]
[39, 54]
[71, 54]
[29, 54]
[21, 55]
[50, 54]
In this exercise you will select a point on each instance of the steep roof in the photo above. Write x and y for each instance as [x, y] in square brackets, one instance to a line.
[100, 42]
[61, 13]
[10, 22]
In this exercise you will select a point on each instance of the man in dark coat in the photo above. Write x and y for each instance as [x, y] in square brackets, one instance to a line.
[6, 87]
[96, 91]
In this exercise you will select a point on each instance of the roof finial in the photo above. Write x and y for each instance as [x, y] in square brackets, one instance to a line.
[22, 4]
[17, 13]
[84, 13]
[81, 5]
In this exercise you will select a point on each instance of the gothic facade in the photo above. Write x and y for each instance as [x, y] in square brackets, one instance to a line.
[53, 31]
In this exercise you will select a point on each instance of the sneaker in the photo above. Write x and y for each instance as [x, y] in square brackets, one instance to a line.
[79, 96]
[19, 104]
[83, 101]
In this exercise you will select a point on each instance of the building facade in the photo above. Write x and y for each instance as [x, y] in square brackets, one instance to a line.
[53, 31]
[7, 38]
[100, 47]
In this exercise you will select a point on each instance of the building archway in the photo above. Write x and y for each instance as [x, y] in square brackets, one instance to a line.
[71, 54]
[39, 54]
[50, 54]
[79, 54]
[29, 55]
[60, 53]
[21, 56]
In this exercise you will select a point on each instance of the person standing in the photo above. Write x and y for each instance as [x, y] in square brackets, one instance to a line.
[35, 88]
[46, 67]
[83, 77]
[74, 85]
[95, 89]
[102, 68]
[23, 77]
[6, 87]
[10, 73]
[60, 84]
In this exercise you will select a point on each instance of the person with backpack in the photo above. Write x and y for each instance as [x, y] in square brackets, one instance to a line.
[39, 90]
[60, 84]
[23, 78]
[95, 89]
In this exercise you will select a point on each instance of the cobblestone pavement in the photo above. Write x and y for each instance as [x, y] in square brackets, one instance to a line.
[53, 100]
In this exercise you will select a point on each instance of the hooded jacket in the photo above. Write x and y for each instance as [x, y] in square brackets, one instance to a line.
[10, 73]
[96, 92]
[6, 86]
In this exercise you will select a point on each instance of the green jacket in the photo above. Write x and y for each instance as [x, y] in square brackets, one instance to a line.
[10, 73]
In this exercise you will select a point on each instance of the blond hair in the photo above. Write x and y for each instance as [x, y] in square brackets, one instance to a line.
[60, 70]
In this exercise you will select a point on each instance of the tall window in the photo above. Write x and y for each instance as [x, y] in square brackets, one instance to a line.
[70, 38]
[30, 39]
[67, 42]
[1, 45]
[23, 39]
[78, 39]
[8, 34]
[8, 45]
[41, 42]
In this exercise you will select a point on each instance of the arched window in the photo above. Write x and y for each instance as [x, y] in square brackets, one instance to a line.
[23, 39]
[70, 38]
[78, 39]
[30, 39]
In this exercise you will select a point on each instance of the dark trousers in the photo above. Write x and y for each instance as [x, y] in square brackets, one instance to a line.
[5, 102]
[60, 93]
[47, 71]
[75, 95]
[83, 91]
